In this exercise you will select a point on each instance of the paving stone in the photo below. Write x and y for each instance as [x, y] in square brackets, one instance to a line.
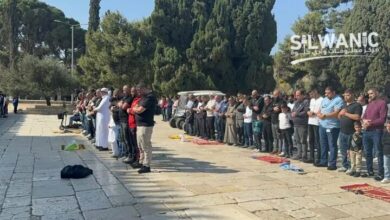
[330, 200]
[301, 214]
[385, 217]
[17, 189]
[164, 216]
[14, 202]
[225, 212]
[108, 180]
[52, 188]
[306, 202]
[56, 205]
[123, 200]
[282, 204]
[145, 209]
[330, 213]
[255, 206]
[22, 176]
[93, 199]
[246, 196]
[54, 174]
[115, 190]
[83, 184]
[198, 201]
[272, 215]
[202, 189]
[65, 216]
[363, 210]
[118, 213]
[15, 213]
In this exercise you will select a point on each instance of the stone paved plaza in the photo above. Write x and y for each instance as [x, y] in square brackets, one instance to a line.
[187, 182]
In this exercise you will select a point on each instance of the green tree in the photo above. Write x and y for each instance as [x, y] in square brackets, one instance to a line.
[37, 33]
[12, 32]
[118, 54]
[374, 70]
[324, 17]
[37, 77]
[94, 19]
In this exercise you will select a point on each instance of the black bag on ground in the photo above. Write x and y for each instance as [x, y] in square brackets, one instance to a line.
[75, 172]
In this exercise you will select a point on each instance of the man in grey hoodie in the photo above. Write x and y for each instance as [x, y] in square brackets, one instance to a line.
[300, 120]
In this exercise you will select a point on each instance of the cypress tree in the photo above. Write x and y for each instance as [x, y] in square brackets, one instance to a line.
[94, 19]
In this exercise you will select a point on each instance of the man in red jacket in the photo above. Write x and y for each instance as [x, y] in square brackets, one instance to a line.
[133, 129]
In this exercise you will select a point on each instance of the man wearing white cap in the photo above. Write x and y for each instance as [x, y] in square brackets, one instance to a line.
[102, 121]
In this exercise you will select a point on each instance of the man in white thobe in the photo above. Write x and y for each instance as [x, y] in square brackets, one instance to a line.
[102, 121]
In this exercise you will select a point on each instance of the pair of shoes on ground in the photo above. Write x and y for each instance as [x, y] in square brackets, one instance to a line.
[101, 148]
[353, 173]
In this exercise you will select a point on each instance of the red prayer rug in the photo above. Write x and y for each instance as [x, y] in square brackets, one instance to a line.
[205, 142]
[271, 159]
[370, 191]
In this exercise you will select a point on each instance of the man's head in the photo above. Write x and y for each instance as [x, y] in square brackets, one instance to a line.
[373, 94]
[141, 89]
[330, 92]
[104, 91]
[276, 93]
[255, 94]
[232, 100]
[313, 93]
[98, 93]
[116, 93]
[348, 96]
[218, 98]
[267, 100]
[362, 100]
[299, 95]
[133, 91]
[126, 90]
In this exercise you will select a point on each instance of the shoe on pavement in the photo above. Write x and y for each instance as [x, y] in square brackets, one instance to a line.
[307, 161]
[103, 149]
[332, 168]
[136, 164]
[357, 174]
[281, 154]
[296, 158]
[320, 165]
[349, 171]
[128, 160]
[144, 169]
[378, 178]
[385, 181]
[342, 169]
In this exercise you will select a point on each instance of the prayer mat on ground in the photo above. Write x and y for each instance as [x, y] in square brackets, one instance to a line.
[271, 159]
[180, 137]
[205, 142]
[370, 191]
[291, 167]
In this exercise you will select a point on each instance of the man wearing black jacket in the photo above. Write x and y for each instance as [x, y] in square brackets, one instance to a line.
[276, 109]
[125, 103]
[257, 105]
[267, 125]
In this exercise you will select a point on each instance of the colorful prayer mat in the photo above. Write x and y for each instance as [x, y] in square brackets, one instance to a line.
[370, 191]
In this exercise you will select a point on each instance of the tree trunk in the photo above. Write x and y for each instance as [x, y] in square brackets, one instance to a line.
[47, 98]
[12, 33]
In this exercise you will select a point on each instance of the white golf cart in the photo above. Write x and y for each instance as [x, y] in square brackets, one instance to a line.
[179, 117]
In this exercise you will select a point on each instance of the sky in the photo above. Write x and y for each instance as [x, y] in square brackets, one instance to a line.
[285, 13]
